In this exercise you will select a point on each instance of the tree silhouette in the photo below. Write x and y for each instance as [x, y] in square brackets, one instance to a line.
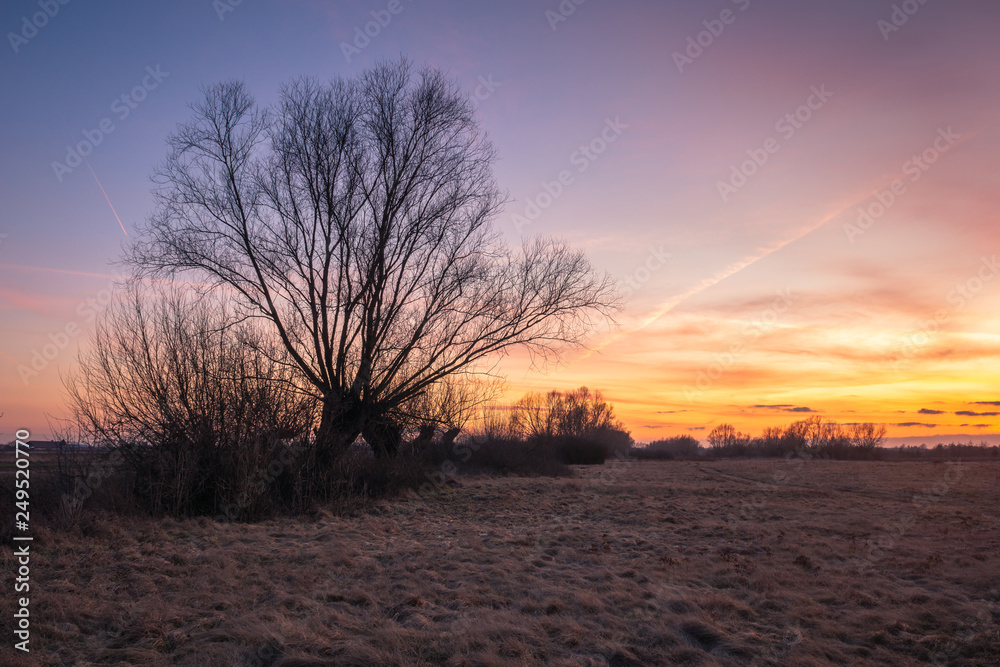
[356, 218]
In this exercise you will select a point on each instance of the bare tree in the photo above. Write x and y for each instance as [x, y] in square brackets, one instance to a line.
[578, 413]
[196, 407]
[497, 423]
[533, 415]
[356, 218]
[583, 413]
[867, 437]
[725, 439]
[721, 437]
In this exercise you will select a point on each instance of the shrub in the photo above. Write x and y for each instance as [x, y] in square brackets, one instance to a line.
[200, 413]
[726, 441]
[510, 456]
[681, 446]
[545, 431]
[578, 450]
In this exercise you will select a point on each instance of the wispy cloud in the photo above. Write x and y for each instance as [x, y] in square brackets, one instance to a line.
[48, 269]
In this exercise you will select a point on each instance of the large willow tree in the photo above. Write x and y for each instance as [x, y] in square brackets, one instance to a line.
[356, 217]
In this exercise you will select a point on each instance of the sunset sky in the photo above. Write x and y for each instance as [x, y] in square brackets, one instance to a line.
[715, 157]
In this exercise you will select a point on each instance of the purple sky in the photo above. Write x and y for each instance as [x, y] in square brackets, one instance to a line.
[741, 294]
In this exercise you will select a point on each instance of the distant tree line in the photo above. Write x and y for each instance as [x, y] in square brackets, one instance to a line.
[817, 436]
[954, 451]
[814, 436]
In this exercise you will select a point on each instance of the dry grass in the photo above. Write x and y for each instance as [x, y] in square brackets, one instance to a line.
[631, 564]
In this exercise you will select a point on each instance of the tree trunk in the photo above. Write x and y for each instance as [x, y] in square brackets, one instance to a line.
[383, 436]
[449, 436]
[423, 438]
[338, 429]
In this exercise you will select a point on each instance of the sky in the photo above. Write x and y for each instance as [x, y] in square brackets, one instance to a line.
[798, 198]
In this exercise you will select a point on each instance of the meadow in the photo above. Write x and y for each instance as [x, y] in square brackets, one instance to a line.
[698, 562]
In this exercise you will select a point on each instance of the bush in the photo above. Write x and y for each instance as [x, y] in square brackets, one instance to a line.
[510, 456]
[549, 431]
[681, 446]
[577, 450]
[199, 413]
[358, 476]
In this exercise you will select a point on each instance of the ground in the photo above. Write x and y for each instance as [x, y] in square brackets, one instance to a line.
[634, 563]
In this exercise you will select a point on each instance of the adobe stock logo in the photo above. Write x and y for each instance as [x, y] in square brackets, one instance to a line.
[566, 9]
[363, 35]
[223, 7]
[656, 259]
[900, 16]
[484, 91]
[122, 106]
[581, 158]
[766, 322]
[962, 294]
[786, 126]
[915, 168]
[38, 20]
[58, 340]
[697, 44]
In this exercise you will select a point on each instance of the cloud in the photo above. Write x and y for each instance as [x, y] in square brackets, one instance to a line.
[784, 408]
[995, 403]
[969, 413]
[976, 425]
[22, 267]
[696, 428]
[732, 269]
[918, 424]
[925, 411]
[848, 342]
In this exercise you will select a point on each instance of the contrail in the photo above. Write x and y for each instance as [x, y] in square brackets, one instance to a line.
[735, 268]
[728, 272]
[87, 162]
[106, 196]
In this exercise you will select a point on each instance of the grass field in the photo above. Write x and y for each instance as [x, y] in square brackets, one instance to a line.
[651, 563]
